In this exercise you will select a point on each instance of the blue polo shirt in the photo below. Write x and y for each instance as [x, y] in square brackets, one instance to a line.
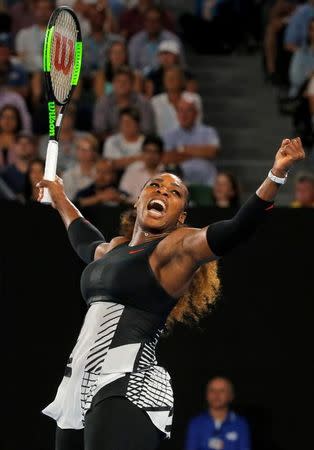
[297, 30]
[232, 434]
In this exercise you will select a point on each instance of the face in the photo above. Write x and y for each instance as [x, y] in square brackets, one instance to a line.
[153, 23]
[68, 122]
[223, 187]
[4, 54]
[36, 173]
[104, 174]
[311, 32]
[25, 148]
[173, 80]
[42, 11]
[187, 114]
[304, 193]
[128, 126]
[167, 59]
[96, 18]
[122, 85]
[152, 156]
[117, 54]
[8, 120]
[219, 393]
[85, 151]
[161, 204]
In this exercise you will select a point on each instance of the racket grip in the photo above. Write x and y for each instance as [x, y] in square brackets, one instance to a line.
[50, 168]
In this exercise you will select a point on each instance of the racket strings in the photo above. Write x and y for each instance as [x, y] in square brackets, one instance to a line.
[63, 55]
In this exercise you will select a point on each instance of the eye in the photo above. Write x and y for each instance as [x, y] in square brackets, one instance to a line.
[154, 184]
[177, 193]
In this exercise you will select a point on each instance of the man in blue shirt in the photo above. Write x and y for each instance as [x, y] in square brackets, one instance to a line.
[219, 428]
[296, 34]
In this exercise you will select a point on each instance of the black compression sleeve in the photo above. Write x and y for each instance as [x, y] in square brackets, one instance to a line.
[225, 235]
[84, 238]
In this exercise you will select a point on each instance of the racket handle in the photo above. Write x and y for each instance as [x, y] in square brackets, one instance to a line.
[50, 168]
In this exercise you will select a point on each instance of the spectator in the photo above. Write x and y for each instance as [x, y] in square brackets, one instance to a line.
[219, 427]
[103, 190]
[279, 16]
[117, 57]
[192, 144]
[34, 174]
[10, 126]
[67, 141]
[143, 47]
[82, 174]
[304, 192]
[226, 191]
[214, 28]
[302, 64]
[13, 72]
[168, 56]
[124, 147]
[137, 174]
[14, 175]
[8, 97]
[107, 108]
[29, 41]
[297, 30]
[133, 20]
[22, 13]
[165, 105]
[97, 43]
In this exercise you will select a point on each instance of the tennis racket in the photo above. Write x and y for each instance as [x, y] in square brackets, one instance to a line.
[62, 58]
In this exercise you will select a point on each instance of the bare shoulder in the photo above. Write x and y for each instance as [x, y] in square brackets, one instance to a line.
[104, 248]
[185, 245]
[174, 241]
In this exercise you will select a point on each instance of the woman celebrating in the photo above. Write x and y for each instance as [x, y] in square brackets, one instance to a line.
[113, 385]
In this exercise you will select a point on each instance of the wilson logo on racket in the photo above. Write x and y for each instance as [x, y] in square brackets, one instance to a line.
[64, 53]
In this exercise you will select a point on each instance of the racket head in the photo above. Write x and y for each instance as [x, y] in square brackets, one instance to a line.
[62, 56]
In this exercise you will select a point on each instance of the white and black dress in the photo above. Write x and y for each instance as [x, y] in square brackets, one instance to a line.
[115, 351]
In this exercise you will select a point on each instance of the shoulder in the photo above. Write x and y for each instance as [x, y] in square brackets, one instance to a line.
[160, 98]
[104, 248]
[240, 421]
[166, 247]
[137, 38]
[198, 420]
[135, 167]
[168, 35]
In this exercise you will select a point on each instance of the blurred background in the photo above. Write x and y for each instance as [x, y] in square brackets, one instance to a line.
[206, 89]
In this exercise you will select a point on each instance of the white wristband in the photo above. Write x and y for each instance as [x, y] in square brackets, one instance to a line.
[277, 180]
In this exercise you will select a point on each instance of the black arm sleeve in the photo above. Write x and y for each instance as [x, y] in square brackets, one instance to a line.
[84, 238]
[225, 235]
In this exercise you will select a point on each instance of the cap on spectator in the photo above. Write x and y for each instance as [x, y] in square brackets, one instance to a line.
[169, 46]
[5, 40]
[191, 97]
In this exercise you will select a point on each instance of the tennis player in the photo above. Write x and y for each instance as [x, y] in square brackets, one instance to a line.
[114, 395]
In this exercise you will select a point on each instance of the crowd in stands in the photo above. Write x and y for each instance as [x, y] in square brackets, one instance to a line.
[137, 109]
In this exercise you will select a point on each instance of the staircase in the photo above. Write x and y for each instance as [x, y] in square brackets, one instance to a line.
[243, 108]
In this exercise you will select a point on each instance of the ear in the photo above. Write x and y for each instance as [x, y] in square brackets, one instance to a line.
[182, 218]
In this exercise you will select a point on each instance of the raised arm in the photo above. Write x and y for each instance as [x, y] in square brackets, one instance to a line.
[221, 237]
[84, 237]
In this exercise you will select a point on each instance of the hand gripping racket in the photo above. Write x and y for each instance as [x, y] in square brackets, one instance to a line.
[62, 58]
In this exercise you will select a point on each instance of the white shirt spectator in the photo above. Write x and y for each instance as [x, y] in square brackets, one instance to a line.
[28, 45]
[135, 177]
[195, 170]
[117, 146]
[166, 114]
[74, 180]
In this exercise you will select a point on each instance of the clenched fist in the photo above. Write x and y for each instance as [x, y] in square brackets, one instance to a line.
[289, 153]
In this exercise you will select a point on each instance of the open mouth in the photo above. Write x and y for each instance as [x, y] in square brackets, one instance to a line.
[157, 207]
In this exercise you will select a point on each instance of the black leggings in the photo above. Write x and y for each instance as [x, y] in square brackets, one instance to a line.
[112, 424]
